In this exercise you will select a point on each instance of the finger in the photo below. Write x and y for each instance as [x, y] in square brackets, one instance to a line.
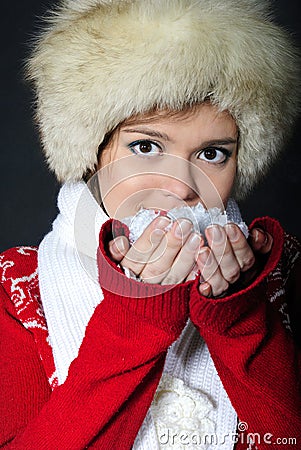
[210, 272]
[141, 251]
[223, 253]
[193, 273]
[205, 289]
[261, 241]
[164, 255]
[184, 261]
[119, 247]
[240, 247]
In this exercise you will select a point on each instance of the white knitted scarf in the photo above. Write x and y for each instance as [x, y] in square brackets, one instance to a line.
[190, 402]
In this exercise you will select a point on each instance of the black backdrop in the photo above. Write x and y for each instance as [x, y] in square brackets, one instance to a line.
[28, 190]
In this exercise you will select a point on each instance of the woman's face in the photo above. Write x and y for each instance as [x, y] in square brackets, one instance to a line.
[165, 162]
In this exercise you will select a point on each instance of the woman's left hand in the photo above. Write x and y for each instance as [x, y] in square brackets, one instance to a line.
[230, 258]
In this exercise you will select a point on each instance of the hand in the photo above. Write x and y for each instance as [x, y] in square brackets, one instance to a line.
[159, 255]
[230, 258]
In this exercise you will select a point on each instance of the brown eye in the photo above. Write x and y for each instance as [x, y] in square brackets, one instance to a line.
[210, 153]
[214, 155]
[145, 147]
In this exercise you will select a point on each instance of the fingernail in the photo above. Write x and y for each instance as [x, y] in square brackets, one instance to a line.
[156, 234]
[204, 256]
[232, 232]
[119, 245]
[259, 236]
[205, 288]
[183, 228]
[194, 242]
[162, 222]
[215, 233]
[255, 235]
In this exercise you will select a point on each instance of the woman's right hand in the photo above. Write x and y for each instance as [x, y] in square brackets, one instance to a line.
[163, 254]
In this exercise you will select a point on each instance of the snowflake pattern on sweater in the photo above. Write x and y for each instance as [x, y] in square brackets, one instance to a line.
[25, 295]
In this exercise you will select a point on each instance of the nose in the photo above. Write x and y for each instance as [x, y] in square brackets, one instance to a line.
[178, 180]
[173, 187]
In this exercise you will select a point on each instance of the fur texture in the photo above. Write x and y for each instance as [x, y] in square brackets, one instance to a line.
[101, 61]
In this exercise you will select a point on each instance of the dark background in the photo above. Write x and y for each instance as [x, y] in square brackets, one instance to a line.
[28, 190]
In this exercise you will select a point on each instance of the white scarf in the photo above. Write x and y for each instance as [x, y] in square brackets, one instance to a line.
[190, 400]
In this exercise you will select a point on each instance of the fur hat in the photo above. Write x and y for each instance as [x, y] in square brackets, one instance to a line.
[101, 61]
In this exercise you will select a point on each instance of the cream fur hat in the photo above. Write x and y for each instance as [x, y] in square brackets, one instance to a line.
[101, 61]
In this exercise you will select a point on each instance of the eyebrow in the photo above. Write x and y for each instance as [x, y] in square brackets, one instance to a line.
[225, 141]
[149, 132]
[158, 134]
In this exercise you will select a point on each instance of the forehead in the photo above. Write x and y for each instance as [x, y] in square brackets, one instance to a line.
[204, 115]
[203, 121]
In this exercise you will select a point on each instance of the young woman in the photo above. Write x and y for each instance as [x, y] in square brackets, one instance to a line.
[173, 338]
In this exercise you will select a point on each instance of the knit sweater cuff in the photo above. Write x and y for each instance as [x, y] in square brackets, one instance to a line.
[219, 315]
[162, 305]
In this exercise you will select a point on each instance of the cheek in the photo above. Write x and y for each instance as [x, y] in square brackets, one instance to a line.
[224, 185]
[125, 197]
[218, 187]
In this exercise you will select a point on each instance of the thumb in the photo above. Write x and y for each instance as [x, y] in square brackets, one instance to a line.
[118, 248]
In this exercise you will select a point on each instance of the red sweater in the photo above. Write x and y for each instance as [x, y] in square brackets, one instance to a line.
[111, 383]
